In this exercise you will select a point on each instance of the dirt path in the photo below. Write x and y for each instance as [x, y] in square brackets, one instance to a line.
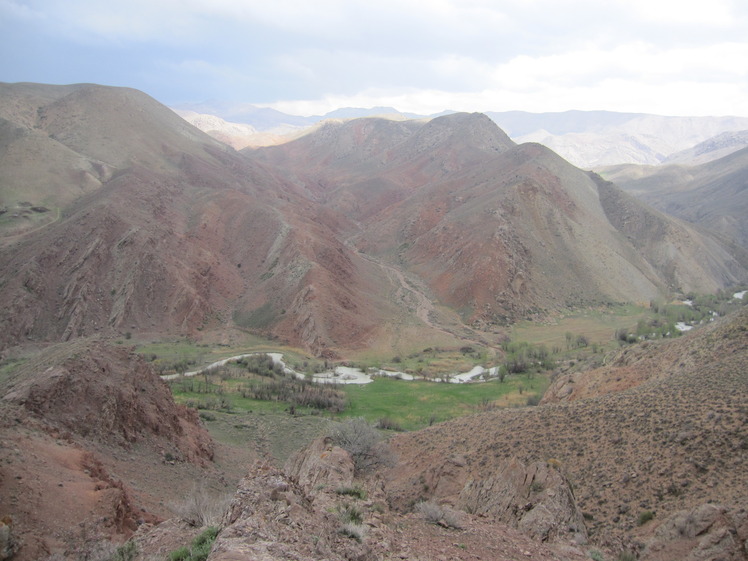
[6, 240]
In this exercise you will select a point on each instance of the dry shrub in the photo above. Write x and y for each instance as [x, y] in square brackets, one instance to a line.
[363, 443]
[438, 514]
[202, 508]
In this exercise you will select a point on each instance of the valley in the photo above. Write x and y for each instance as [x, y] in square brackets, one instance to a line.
[176, 312]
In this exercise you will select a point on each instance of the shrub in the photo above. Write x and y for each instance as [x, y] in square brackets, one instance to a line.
[126, 552]
[356, 491]
[350, 513]
[363, 443]
[645, 516]
[200, 508]
[181, 554]
[437, 514]
[385, 423]
[199, 549]
[355, 531]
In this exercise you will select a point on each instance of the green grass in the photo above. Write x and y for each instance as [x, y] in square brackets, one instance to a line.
[410, 404]
[415, 404]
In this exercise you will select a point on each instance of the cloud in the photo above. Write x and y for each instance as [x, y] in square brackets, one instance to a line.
[446, 53]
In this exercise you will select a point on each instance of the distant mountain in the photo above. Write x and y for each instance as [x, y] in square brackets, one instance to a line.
[713, 195]
[594, 139]
[711, 149]
[520, 123]
[588, 139]
[261, 118]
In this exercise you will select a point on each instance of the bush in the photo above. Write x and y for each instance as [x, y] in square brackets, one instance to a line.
[385, 423]
[363, 443]
[181, 554]
[355, 531]
[436, 514]
[199, 548]
[356, 491]
[350, 514]
[645, 517]
[200, 508]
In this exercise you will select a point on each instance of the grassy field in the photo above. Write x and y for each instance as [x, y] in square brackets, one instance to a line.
[598, 325]
[407, 404]
[413, 405]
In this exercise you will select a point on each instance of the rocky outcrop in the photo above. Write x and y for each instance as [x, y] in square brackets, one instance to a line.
[110, 394]
[320, 464]
[536, 499]
[708, 532]
[271, 517]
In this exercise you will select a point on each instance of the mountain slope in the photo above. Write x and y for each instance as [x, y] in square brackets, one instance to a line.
[672, 442]
[496, 230]
[176, 233]
[712, 195]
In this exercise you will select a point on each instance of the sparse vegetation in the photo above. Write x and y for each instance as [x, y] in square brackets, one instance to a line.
[202, 508]
[355, 491]
[364, 444]
[199, 548]
[645, 516]
[436, 514]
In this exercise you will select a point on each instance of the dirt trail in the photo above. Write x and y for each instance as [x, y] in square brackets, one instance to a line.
[8, 239]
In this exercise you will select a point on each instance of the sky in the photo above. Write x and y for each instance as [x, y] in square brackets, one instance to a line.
[667, 57]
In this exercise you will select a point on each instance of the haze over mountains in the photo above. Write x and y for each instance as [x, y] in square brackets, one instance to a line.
[159, 227]
[588, 139]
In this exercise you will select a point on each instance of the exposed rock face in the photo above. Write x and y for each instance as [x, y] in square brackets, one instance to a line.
[537, 499]
[320, 464]
[708, 532]
[271, 517]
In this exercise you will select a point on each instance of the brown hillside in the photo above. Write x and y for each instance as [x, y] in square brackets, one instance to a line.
[173, 233]
[496, 231]
[66, 415]
[673, 441]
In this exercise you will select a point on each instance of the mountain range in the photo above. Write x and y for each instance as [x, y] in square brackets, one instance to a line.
[152, 225]
[588, 139]
[118, 217]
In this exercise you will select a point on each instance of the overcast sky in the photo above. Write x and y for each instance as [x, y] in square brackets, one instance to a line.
[671, 57]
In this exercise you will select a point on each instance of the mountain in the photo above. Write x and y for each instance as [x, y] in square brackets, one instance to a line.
[357, 234]
[711, 149]
[712, 195]
[496, 230]
[593, 139]
[175, 231]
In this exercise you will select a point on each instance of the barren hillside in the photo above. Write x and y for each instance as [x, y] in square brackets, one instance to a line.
[662, 429]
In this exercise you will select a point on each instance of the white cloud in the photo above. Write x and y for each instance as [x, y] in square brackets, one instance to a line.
[417, 55]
